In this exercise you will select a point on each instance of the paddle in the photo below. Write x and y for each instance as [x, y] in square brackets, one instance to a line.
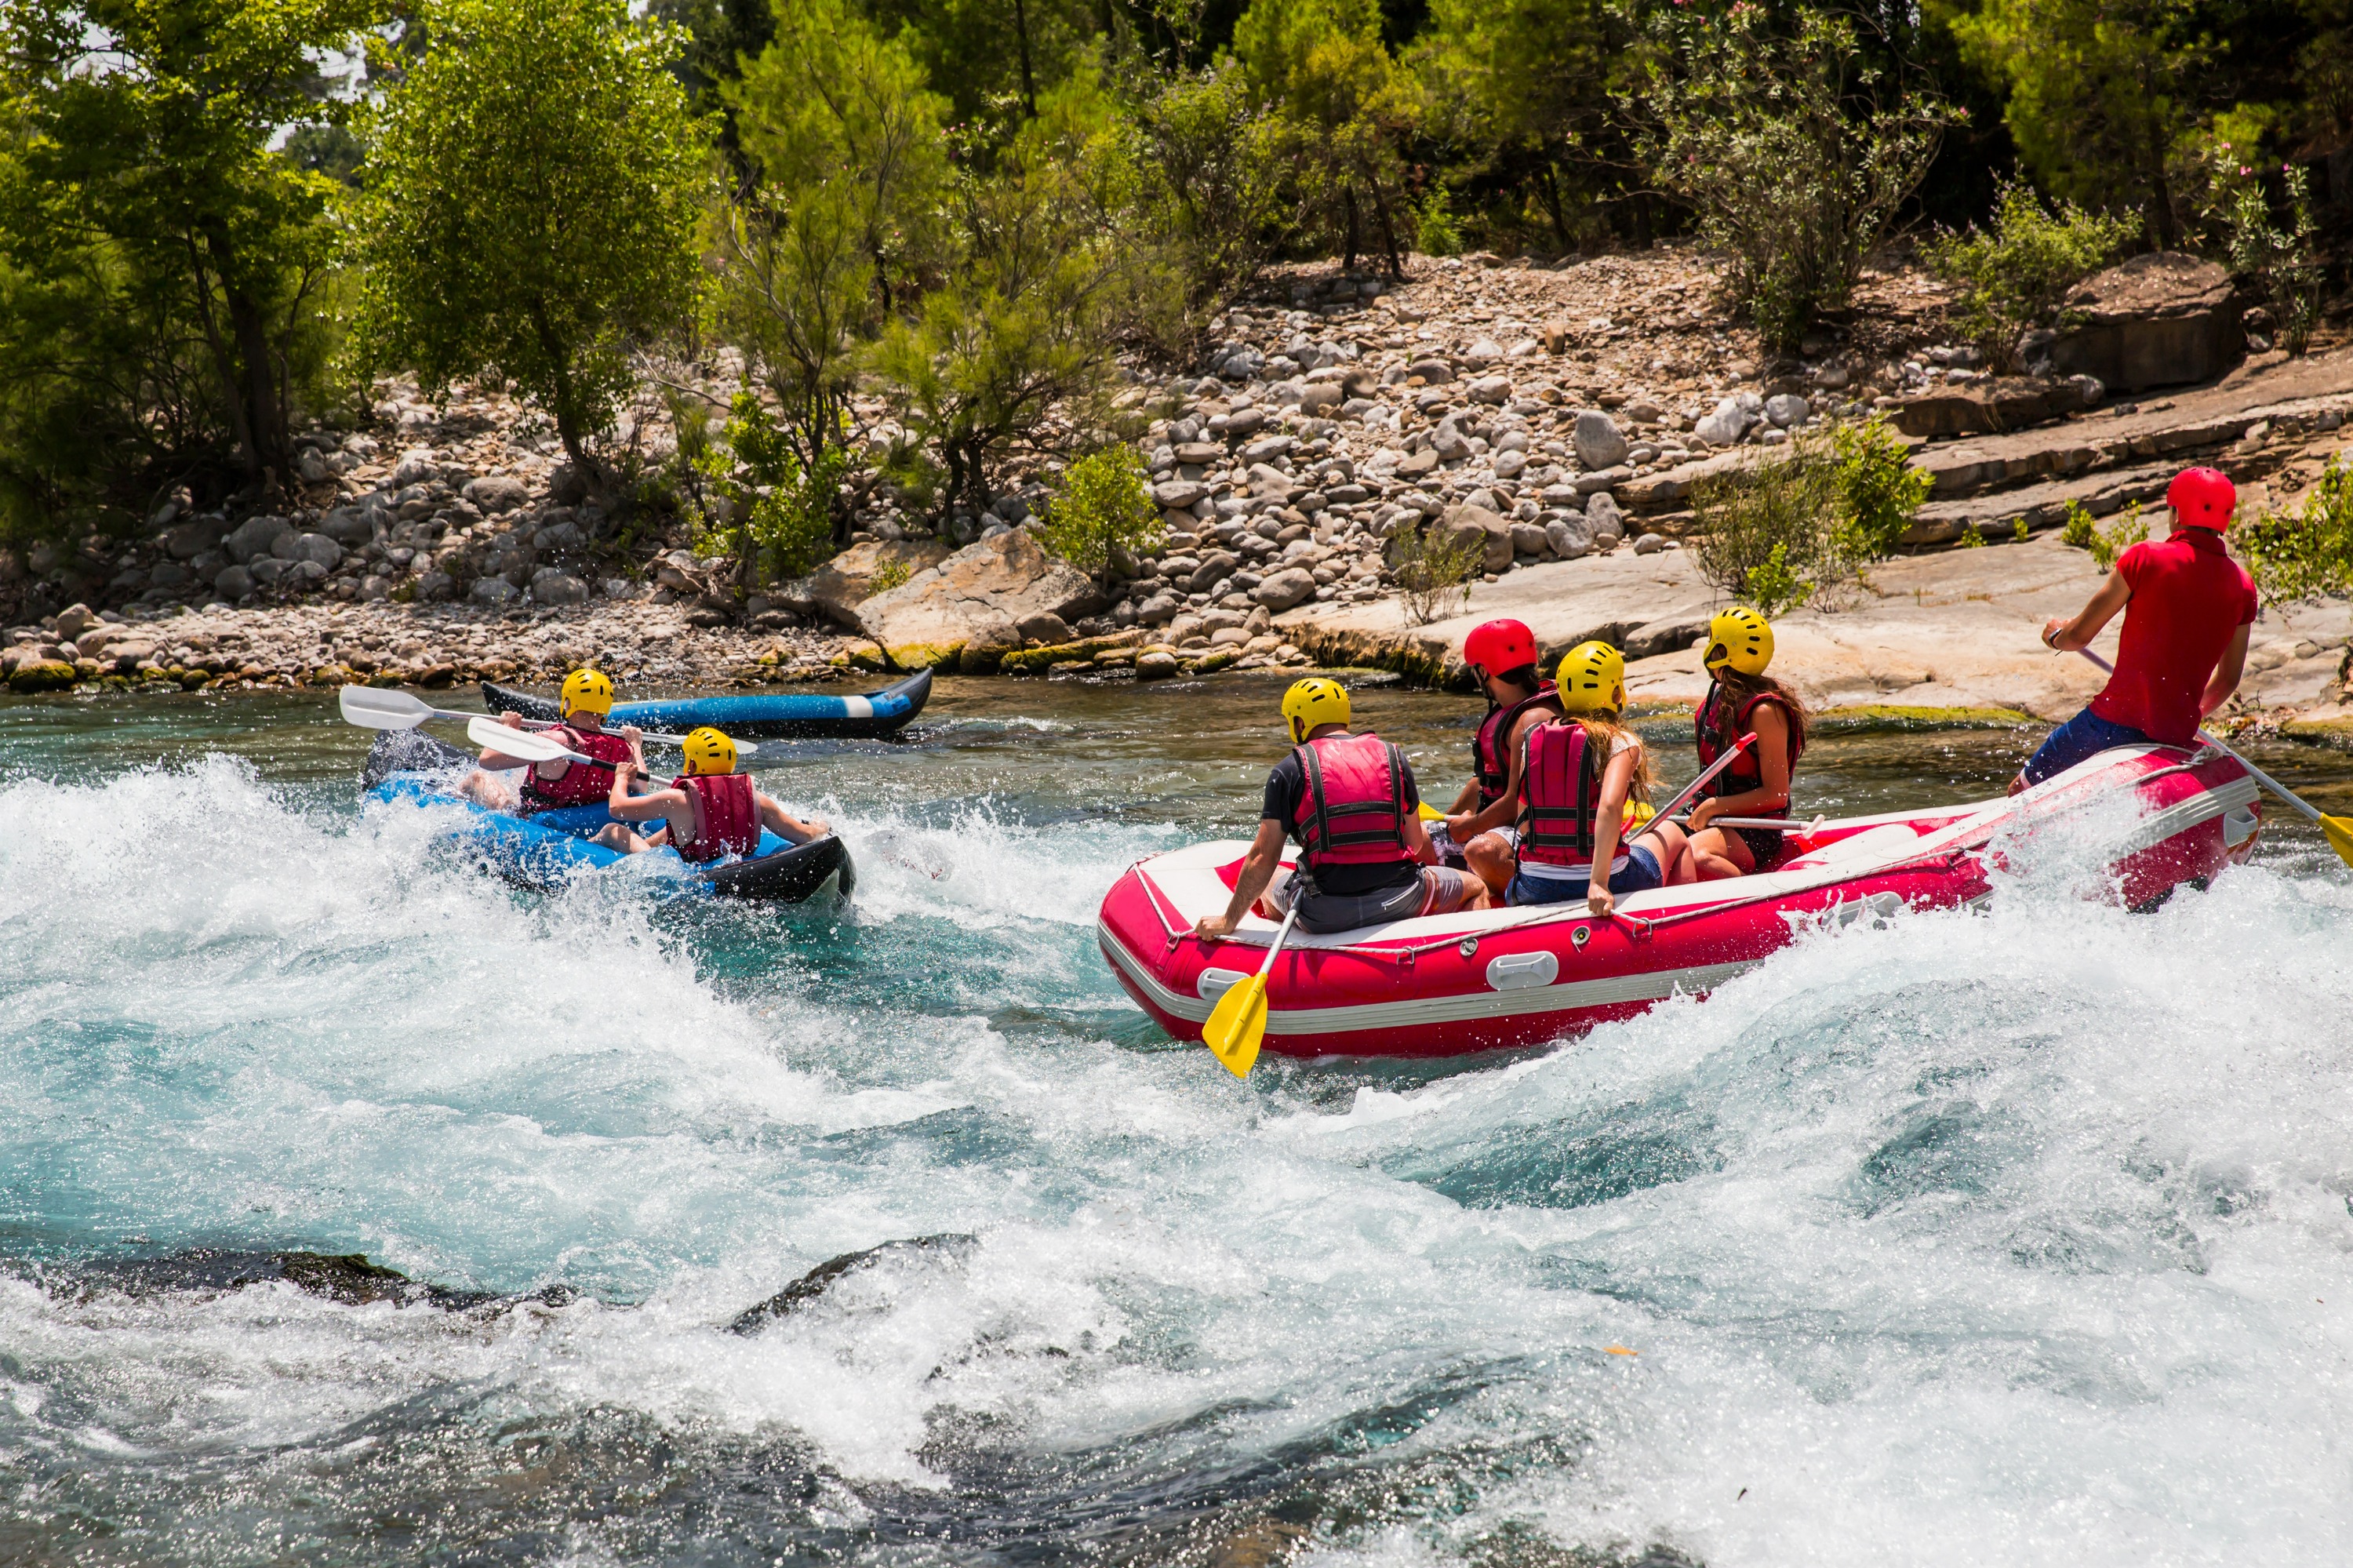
[1770, 824]
[377, 707]
[522, 745]
[1730, 756]
[1238, 1022]
[2338, 829]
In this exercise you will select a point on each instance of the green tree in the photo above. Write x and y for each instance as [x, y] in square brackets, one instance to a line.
[1008, 354]
[838, 219]
[1532, 86]
[1794, 145]
[1210, 159]
[162, 269]
[2102, 100]
[1324, 64]
[533, 194]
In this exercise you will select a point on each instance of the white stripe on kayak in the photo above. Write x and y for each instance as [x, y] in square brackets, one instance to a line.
[1568, 996]
[857, 708]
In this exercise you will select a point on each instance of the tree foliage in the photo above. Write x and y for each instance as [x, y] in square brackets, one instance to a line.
[2015, 275]
[1794, 147]
[1324, 64]
[533, 193]
[163, 272]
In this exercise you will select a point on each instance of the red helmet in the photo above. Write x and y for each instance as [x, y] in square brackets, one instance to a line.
[2201, 498]
[1496, 646]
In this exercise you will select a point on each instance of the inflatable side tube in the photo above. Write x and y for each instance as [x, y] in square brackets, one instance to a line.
[754, 716]
[786, 876]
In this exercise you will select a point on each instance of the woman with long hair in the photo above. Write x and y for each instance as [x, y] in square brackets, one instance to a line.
[1579, 776]
[1743, 700]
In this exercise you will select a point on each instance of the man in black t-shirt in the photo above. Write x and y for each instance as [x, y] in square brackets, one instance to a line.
[1342, 893]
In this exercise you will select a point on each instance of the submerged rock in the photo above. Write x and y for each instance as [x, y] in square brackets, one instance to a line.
[810, 1286]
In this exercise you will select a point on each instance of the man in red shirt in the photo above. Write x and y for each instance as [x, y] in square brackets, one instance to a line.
[2186, 607]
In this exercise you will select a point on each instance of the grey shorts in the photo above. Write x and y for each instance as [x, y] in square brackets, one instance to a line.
[1439, 890]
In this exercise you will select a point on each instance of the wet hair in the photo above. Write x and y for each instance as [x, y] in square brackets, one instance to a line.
[1602, 729]
[1738, 688]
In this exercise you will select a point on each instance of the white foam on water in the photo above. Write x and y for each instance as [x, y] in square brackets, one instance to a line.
[2014, 1236]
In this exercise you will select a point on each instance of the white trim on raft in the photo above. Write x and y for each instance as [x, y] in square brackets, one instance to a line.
[1562, 996]
[1186, 879]
[856, 707]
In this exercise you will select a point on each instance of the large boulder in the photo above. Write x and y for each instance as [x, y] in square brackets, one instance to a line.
[2009, 403]
[1597, 440]
[2155, 321]
[837, 589]
[552, 585]
[1285, 588]
[193, 538]
[255, 537]
[966, 610]
[1493, 532]
[496, 493]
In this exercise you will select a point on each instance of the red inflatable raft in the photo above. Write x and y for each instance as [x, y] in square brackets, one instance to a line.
[1443, 985]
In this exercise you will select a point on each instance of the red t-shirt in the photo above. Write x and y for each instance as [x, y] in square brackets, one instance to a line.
[2189, 598]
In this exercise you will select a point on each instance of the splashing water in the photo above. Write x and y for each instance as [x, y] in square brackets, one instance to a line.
[2009, 1235]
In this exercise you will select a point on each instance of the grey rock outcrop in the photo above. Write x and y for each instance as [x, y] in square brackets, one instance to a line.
[2154, 321]
[966, 610]
[1597, 440]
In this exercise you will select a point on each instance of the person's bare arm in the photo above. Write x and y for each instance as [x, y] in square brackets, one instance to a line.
[1608, 818]
[2074, 636]
[492, 761]
[2226, 674]
[1772, 791]
[1502, 809]
[786, 826]
[644, 808]
[1258, 870]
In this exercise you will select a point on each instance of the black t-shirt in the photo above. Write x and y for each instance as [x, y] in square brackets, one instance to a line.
[1287, 786]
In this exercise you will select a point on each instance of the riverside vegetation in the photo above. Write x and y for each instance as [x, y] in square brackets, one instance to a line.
[549, 315]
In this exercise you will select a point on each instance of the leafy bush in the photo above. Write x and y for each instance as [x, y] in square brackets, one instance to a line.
[1209, 158]
[2084, 533]
[1783, 531]
[779, 507]
[1434, 569]
[2281, 265]
[2307, 554]
[1791, 145]
[1436, 232]
[1102, 505]
[888, 575]
[2015, 276]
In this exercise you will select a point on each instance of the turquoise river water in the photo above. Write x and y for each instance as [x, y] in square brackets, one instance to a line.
[2022, 1237]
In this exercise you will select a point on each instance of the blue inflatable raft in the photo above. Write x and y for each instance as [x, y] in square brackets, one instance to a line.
[550, 848]
[758, 715]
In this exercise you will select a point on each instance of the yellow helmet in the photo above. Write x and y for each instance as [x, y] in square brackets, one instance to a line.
[1312, 703]
[586, 688]
[708, 751]
[1592, 677]
[1740, 637]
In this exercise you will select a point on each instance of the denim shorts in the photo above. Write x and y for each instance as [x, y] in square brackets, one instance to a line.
[1641, 875]
[2086, 735]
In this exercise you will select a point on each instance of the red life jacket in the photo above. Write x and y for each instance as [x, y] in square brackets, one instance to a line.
[731, 816]
[1353, 812]
[1747, 773]
[1489, 767]
[1560, 794]
[582, 784]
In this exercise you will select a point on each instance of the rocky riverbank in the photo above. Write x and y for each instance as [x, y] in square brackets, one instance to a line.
[1557, 418]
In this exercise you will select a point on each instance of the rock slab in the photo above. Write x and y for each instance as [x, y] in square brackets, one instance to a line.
[966, 610]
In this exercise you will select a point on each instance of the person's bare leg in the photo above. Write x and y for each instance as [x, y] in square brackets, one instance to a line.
[489, 790]
[1491, 860]
[1718, 854]
[1674, 849]
[617, 835]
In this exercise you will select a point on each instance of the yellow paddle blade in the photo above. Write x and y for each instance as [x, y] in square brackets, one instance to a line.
[1237, 1025]
[2340, 836]
[1431, 813]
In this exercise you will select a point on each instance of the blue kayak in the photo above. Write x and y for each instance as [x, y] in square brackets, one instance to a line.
[550, 848]
[753, 715]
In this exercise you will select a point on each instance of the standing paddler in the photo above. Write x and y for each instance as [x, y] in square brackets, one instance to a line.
[2187, 605]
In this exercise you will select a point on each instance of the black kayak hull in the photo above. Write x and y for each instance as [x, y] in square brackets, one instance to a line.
[757, 715]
